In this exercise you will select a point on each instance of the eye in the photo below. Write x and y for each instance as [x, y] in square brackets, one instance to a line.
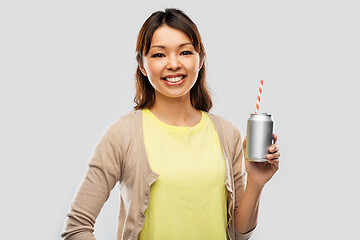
[157, 55]
[186, 53]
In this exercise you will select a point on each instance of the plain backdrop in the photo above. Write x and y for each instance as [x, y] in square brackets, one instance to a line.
[67, 72]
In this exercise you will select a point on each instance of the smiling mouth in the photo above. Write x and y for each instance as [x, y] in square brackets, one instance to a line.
[174, 79]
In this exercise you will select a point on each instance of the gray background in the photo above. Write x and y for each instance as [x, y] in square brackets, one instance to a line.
[67, 72]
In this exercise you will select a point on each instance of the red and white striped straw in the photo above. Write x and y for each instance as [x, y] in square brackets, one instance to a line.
[259, 96]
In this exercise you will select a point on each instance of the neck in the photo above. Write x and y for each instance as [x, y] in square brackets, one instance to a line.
[175, 111]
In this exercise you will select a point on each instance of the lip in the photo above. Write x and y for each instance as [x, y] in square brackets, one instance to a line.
[173, 75]
[176, 83]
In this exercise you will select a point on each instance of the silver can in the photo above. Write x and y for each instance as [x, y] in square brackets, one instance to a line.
[259, 136]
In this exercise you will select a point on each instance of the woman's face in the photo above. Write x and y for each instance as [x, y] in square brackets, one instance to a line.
[172, 64]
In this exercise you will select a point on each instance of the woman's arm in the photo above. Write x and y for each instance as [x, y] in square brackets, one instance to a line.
[100, 178]
[258, 174]
[246, 213]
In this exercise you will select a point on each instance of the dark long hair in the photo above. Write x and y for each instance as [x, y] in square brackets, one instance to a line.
[145, 93]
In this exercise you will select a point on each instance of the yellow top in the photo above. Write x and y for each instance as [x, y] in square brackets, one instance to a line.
[188, 201]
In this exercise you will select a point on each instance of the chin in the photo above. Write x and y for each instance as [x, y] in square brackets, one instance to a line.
[175, 94]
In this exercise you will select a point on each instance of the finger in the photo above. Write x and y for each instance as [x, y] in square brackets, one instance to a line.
[273, 148]
[273, 156]
[244, 142]
[274, 161]
[275, 137]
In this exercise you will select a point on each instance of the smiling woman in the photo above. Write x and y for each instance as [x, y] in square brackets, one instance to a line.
[175, 39]
[181, 170]
[171, 61]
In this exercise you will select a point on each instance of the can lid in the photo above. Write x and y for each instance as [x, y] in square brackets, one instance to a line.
[260, 116]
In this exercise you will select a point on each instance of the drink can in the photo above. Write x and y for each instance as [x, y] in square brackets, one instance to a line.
[259, 137]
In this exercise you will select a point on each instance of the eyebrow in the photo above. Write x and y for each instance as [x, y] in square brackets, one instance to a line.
[161, 46]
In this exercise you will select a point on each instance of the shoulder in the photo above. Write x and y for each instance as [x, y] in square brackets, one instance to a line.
[229, 134]
[126, 121]
[123, 128]
[226, 125]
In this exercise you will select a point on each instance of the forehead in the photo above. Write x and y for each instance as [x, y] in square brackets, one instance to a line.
[166, 35]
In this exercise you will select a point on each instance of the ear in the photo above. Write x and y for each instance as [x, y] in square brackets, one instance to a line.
[142, 69]
[201, 63]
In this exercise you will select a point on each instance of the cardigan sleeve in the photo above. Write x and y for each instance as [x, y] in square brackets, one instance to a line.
[103, 172]
[243, 236]
[239, 172]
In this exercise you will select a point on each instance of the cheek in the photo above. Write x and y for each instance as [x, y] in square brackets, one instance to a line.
[192, 65]
[153, 68]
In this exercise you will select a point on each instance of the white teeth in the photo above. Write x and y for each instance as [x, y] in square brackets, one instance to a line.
[174, 79]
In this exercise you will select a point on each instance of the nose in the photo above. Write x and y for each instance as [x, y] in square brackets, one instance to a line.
[173, 63]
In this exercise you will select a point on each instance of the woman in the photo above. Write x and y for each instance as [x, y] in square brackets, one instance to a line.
[180, 169]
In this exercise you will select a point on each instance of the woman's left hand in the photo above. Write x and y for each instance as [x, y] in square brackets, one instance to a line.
[259, 173]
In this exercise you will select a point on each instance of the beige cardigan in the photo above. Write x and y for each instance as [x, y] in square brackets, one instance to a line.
[120, 156]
